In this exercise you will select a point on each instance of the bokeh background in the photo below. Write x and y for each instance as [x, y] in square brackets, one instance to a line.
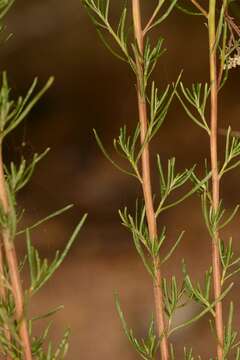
[94, 90]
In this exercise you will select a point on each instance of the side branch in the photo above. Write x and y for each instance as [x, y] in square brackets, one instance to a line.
[200, 8]
[153, 17]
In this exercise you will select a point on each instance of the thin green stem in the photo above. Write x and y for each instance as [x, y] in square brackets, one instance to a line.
[153, 17]
[200, 8]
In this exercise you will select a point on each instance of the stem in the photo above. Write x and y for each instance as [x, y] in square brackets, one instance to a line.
[3, 295]
[215, 175]
[146, 181]
[152, 18]
[12, 262]
[2, 286]
[200, 8]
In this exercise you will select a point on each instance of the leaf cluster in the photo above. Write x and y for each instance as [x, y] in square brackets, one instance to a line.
[147, 347]
[195, 102]
[12, 112]
[13, 178]
[147, 248]
[196, 97]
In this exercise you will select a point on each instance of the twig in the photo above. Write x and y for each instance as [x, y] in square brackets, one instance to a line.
[156, 11]
[200, 8]
[146, 185]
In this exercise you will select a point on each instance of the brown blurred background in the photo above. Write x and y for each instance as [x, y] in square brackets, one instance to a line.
[94, 90]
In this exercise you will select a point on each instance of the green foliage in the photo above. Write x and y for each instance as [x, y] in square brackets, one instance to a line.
[188, 354]
[49, 217]
[159, 106]
[129, 146]
[14, 112]
[223, 40]
[18, 177]
[156, 18]
[51, 353]
[12, 179]
[5, 6]
[150, 59]
[232, 152]
[197, 98]
[147, 347]
[147, 248]
[230, 263]
[40, 270]
[142, 55]
[214, 218]
[197, 293]
[171, 182]
[230, 335]
[98, 10]
[173, 297]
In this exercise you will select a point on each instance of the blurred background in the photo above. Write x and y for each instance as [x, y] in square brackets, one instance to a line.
[92, 89]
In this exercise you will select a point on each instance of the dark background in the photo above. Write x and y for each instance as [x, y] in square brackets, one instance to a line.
[94, 90]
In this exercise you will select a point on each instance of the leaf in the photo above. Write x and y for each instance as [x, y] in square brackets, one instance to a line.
[40, 270]
[109, 158]
[147, 347]
[14, 112]
[49, 217]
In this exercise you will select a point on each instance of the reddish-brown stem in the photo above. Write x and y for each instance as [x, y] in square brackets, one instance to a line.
[3, 295]
[13, 270]
[215, 175]
[146, 181]
[2, 285]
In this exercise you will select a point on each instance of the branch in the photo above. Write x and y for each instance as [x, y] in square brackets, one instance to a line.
[13, 269]
[200, 8]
